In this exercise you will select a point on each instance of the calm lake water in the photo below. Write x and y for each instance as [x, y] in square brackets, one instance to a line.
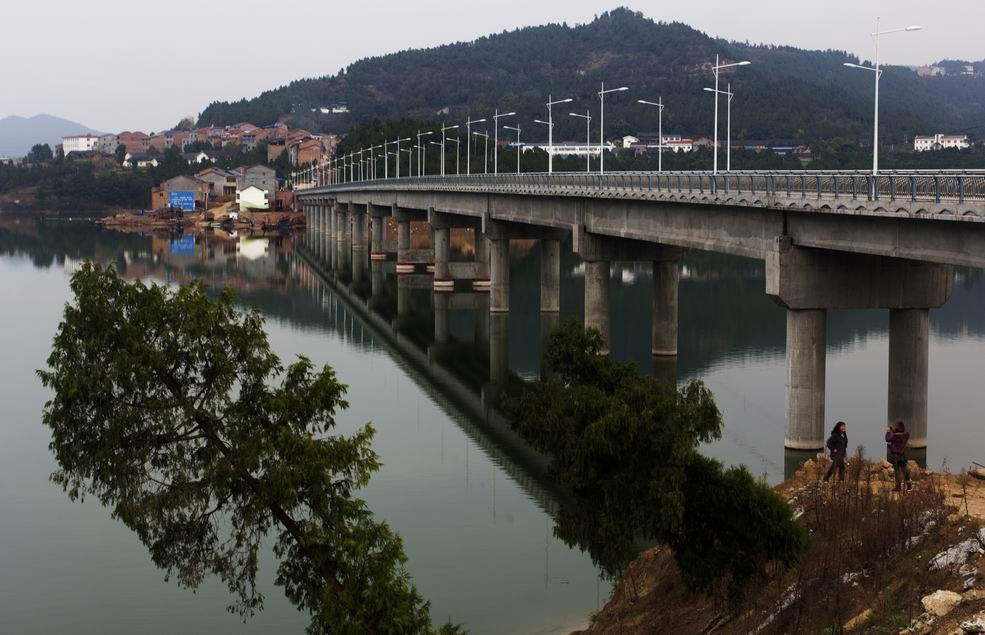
[474, 511]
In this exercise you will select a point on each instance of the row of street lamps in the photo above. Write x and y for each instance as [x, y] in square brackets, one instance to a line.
[351, 168]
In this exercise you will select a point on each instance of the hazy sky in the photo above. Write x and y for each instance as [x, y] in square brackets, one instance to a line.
[143, 64]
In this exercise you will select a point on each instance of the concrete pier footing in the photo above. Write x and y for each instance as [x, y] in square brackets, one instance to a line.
[806, 341]
[597, 298]
[550, 276]
[909, 331]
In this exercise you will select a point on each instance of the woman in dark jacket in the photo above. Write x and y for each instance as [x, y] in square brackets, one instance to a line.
[838, 446]
[896, 440]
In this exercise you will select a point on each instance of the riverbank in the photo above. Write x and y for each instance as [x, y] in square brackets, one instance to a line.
[874, 565]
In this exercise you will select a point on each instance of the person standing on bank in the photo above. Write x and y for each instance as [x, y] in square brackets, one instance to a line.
[838, 446]
[896, 440]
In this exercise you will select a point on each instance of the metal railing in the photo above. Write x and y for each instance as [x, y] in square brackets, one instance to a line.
[923, 186]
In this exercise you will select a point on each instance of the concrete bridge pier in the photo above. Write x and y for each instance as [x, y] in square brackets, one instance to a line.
[597, 274]
[550, 276]
[378, 215]
[809, 282]
[806, 342]
[329, 235]
[441, 237]
[359, 244]
[499, 234]
[909, 332]
[499, 279]
[598, 252]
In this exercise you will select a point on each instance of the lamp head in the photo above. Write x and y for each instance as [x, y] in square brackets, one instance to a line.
[745, 63]
[912, 28]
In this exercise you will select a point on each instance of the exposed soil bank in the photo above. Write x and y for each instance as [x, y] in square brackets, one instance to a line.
[873, 566]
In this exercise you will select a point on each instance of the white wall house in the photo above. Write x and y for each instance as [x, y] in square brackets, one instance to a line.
[936, 142]
[679, 145]
[252, 198]
[79, 143]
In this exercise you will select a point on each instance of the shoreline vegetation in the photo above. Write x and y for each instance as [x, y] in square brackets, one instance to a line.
[878, 562]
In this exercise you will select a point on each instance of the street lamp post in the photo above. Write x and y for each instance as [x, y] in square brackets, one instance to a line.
[458, 145]
[419, 146]
[602, 94]
[519, 150]
[410, 160]
[398, 142]
[485, 152]
[659, 104]
[728, 125]
[496, 117]
[550, 131]
[588, 137]
[443, 129]
[716, 69]
[878, 74]
[468, 147]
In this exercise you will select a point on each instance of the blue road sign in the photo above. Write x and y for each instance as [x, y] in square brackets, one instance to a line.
[182, 200]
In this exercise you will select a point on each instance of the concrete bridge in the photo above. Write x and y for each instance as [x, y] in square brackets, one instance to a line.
[829, 240]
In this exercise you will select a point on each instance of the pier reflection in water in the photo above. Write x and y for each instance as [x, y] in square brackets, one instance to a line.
[471, 501]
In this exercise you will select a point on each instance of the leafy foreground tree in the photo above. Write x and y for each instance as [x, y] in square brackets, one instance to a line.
[625, 445]
[164, 410]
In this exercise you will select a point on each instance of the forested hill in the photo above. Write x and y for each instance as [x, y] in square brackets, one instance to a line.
[786, 93]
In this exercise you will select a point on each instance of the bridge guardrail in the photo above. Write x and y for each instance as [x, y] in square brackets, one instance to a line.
[919, 186]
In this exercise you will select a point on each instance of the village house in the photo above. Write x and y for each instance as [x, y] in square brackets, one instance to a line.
[79, 143]
[134, 142]
[262, 177]
[221, 183]
[140, 160]
[107, 143]
[196, 157]
[941, 142]
[252, 198]
[183, 192]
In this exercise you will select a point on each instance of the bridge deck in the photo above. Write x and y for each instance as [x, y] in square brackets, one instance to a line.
[942, 194]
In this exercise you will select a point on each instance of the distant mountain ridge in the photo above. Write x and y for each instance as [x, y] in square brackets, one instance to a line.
[787, 93]
[19, 134]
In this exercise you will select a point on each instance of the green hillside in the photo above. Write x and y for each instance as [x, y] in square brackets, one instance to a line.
[787, 93]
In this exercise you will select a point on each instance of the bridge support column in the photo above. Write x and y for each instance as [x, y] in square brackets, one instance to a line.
[598, 251]
[810, 281]
[909, 331]
[499, 283]
[666, 277]
[597, 273]
[358, 226]
[442, 276]
[806, 341]
[328, 235]
[378, 214]
[403, 246]
[550, 276]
